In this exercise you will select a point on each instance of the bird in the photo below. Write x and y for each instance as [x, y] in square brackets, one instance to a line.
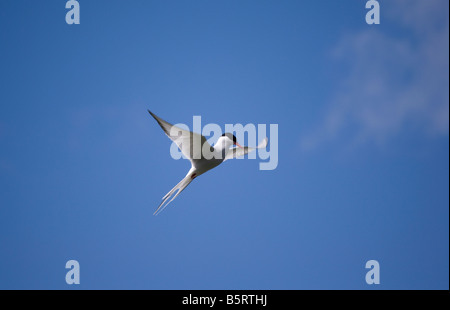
[201, 154]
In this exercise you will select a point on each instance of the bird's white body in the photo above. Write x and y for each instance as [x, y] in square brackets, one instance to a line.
[221, 150]
[195, 152]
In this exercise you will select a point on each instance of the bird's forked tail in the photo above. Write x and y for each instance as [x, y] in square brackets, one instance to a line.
[180, 187]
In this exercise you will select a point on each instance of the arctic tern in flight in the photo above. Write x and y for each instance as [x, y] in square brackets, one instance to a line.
[201, 154]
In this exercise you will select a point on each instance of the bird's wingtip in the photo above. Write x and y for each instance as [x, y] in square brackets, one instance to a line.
[152, 114]
[264, 142]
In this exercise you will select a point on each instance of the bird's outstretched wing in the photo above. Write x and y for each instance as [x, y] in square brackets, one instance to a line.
[237, 151]
[188, 142]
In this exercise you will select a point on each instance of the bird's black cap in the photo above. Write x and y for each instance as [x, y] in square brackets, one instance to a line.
[230, 135]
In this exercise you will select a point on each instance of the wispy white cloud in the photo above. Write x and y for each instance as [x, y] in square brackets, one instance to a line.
[393, 82]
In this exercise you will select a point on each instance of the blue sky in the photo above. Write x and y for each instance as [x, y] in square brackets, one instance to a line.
[363, 168]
